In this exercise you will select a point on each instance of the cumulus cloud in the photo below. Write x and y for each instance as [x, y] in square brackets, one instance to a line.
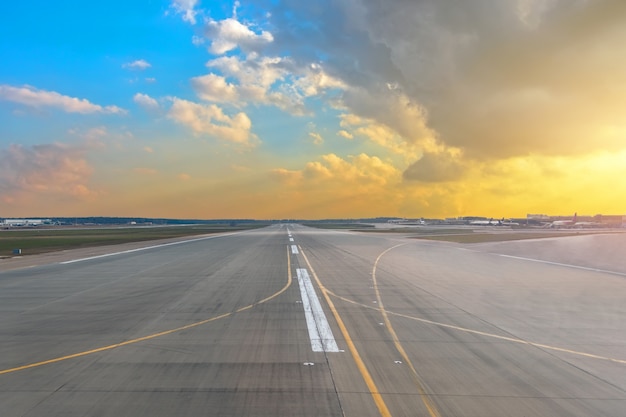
[285, 81]
[435, 167]
[50, 169]
[186, 8]
[32, 97]
[345, 134]
[385, 136]
[146, 101]
[255, 79]
[359, 170]
[358, 185]
[139, 64]
[213, 87]
[211, 120]
[317, 138]
[228, 34]
[314, 80]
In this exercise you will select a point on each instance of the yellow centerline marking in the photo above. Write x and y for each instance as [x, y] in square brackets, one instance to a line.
[428, 403]
[155, 335]
[367, 377]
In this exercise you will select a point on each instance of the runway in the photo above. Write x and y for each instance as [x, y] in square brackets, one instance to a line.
[294, 321]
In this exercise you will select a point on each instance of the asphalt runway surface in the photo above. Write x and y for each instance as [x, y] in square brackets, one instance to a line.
[293, 321]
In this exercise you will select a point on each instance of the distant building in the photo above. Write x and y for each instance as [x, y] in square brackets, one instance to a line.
[25, 222]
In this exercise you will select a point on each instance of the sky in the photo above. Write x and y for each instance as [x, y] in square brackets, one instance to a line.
[275, 109]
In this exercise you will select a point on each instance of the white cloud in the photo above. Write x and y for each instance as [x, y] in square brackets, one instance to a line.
[139, 64]
[146, 101]
[258, 80]
[317, 138]
[255, 70]
[211, 120]
[315, 80]
[229, 34]
[276, 81]
[197, 40]
[339, 178]
[32, 97]
[187, 9]
[212, 87]
[345, 134]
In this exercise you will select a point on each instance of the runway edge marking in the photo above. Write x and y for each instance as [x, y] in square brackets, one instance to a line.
[163, 245]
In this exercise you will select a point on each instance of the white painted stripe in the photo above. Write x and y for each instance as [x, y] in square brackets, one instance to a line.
[291, 239]
[294, 249]
[320, 333]
[565, 265]
[146, 248]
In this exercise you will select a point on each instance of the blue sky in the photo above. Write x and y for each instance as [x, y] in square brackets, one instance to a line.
[347, 108]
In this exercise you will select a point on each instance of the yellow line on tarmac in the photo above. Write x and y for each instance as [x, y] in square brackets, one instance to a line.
[430, 406]
[155, 335]
[367, 377]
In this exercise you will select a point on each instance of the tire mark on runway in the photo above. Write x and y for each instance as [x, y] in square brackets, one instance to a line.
[156, 335]
[481, 333]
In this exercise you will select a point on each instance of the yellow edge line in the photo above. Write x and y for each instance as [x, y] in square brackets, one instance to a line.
[155, 335]
[428, 403]
[367, 377]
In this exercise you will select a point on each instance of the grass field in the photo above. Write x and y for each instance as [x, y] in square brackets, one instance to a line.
[36, 241]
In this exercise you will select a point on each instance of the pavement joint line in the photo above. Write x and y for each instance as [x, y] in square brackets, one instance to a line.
[367, 377]
[154, 335]
[426, 400]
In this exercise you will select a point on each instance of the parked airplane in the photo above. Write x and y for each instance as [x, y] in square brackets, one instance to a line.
[565, 223]
[492, 222]
[489, 222]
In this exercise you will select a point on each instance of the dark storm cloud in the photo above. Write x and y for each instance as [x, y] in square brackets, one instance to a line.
[495, 78]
